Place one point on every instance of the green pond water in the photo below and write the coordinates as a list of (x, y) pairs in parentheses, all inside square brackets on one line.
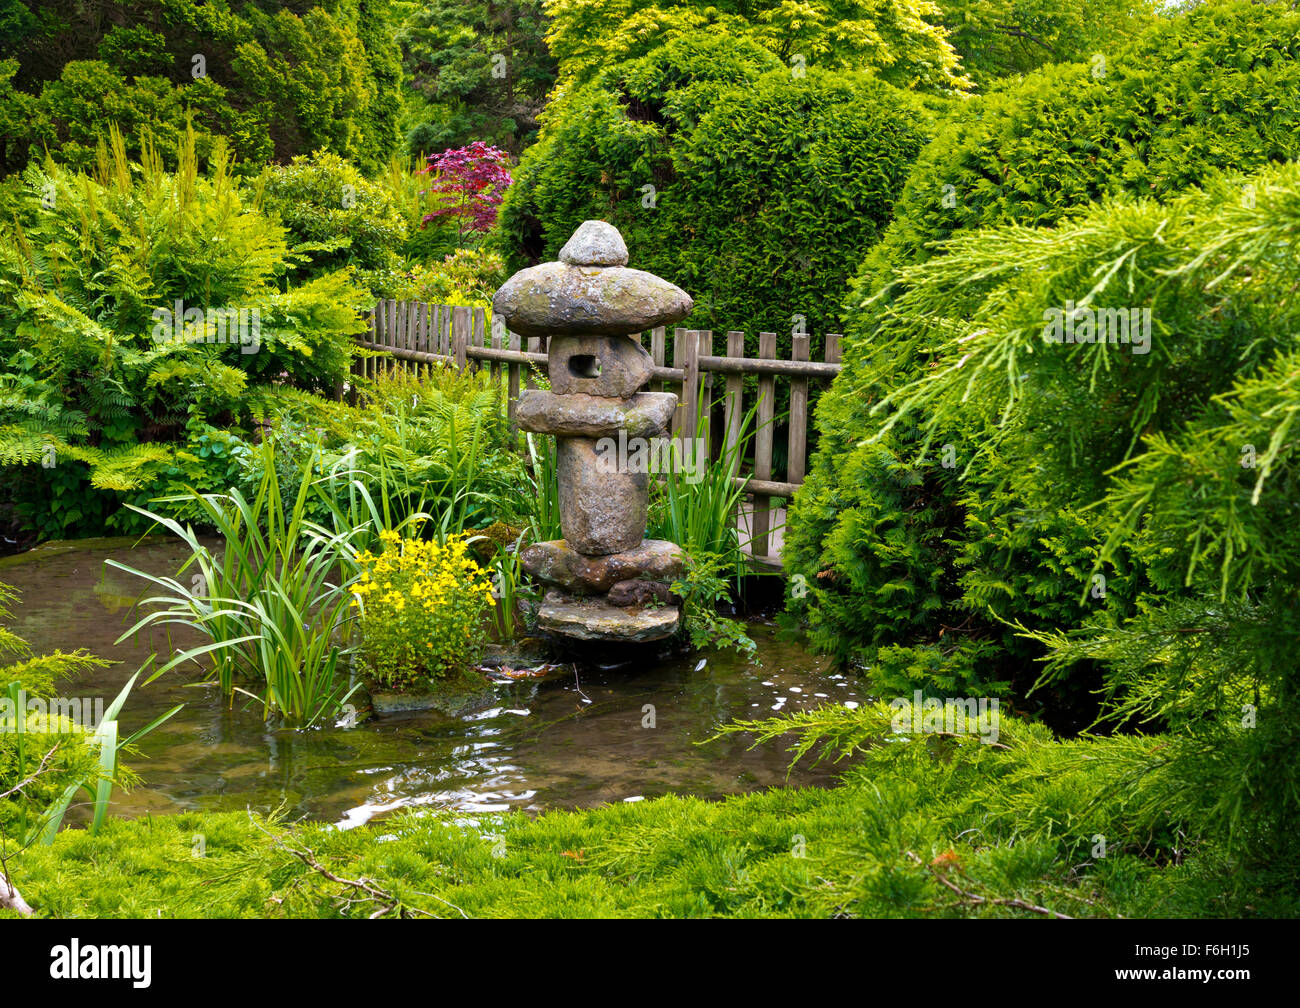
[(569, 742)]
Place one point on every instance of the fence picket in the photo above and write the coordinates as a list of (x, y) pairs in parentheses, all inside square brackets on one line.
[(658, 340), (794, 470), (512, 386), (763, 440), (732, 411)]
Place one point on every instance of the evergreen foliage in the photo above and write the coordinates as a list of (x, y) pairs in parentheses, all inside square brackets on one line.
[(104, 378), (274, 80), (749, 188), (1215, 89), (1166, 473)]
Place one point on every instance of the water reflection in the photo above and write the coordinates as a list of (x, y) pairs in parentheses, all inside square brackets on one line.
[(575, 742)]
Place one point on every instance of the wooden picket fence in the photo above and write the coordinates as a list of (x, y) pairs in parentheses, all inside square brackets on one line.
[(414, 334)]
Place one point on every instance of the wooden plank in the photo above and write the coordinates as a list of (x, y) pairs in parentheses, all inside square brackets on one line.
[(785, 368), (704, 348), (497, 326), (410, 336), (477, 332), (768, 488), (679, 414), (422, 341), (763, 437), (396, 334), (390, 337), (832, 348), (512, 387), (460, 333), (377, 316), (658, 342), (798, 443), (732, 413), (534, 346)]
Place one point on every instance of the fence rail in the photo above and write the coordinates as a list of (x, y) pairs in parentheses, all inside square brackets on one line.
[(414, 332)]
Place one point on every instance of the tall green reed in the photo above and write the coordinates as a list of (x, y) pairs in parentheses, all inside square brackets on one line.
[(271, 601)]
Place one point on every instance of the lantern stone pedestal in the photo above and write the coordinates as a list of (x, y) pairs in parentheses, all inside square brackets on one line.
[(609, 583)]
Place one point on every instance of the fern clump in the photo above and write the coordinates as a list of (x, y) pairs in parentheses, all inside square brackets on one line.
[(139, 306)]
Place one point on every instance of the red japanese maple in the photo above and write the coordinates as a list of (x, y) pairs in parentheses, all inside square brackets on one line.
[(474, 180)]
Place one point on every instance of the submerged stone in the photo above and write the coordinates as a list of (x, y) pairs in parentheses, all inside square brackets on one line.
[(644, 415), (639, 593)]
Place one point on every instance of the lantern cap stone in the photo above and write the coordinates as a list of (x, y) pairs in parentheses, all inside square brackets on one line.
[(595, 243), (580, 296)]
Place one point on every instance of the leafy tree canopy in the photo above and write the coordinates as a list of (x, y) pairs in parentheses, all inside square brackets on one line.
[(899, 39)]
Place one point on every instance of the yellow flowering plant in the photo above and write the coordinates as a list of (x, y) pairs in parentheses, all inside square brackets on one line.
[(421, 606)]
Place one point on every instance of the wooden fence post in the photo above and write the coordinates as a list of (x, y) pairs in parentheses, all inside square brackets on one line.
[(732, 412), (460, 337), (532, 344), (512, 389), (658, 340), (798, 443), (763, 438), (497, 326), (704, 348), (690, 380), (391, 363)]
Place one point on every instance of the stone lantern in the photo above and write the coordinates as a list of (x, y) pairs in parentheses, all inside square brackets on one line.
[(609, 583)]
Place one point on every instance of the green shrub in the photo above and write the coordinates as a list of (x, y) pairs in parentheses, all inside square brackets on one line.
[(999, 38), (898, 41), (1215, 89), (334, 216), (274, 82), (437, 443), (422, 604), (765, 186), (905, 551), (467, 276), (29, 740), (1123, 513), (104, 380)]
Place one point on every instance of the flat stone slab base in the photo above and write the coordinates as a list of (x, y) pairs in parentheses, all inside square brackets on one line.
[(594, 620)]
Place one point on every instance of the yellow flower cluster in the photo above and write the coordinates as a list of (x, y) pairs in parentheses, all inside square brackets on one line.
[(421, 609)]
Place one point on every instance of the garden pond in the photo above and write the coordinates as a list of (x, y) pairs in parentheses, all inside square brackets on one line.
[(576, 740)]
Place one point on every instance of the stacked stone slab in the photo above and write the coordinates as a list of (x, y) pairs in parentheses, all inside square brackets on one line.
[(608, 581)]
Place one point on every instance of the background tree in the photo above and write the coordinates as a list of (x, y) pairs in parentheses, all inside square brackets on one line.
[(474, 70), (752, 188), (1002, 38), (275, 80), (898, 39)]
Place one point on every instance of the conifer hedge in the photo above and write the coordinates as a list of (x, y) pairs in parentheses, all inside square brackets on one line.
[(928, 569), (752, 188)]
